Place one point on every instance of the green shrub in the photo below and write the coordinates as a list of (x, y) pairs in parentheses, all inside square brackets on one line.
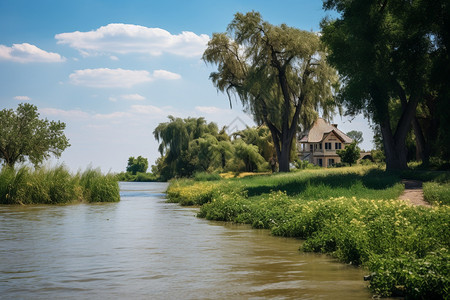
[(437, 193), (416, 278), (403, 246), (205, 176)]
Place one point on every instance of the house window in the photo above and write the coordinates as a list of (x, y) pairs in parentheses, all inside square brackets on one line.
[(330, 162), (319, 162), (320, 146), (338, 146), (311, 148), (328, 146)]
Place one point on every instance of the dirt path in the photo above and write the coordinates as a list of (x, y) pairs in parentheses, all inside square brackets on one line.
[(413, 192)]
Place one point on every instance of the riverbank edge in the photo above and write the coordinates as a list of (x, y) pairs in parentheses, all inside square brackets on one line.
[(224, 202)]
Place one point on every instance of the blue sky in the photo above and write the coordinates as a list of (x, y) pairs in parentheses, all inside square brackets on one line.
[(113, 70)]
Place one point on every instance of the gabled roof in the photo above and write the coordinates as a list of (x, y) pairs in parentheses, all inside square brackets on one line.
[(320, 130)]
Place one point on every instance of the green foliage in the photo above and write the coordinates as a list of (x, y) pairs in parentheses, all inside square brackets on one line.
[(378, 156), (279, 73), (418, 278), (135, 165), (303, 164), (98, 187), (23, 136), (249, 157), (191, 146), (393, 52), (139, 177), (350, 154), (205, 176), (436, 193), (356, 136), (346, 212), (186, 146), (55, 186)]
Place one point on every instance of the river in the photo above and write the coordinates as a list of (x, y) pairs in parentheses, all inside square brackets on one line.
[(144, 248)]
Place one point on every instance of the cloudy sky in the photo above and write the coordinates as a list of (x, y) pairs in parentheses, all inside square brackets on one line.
[(113, 70)]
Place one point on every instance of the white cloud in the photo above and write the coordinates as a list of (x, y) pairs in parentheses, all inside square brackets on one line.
[(109, 78), (148, 110), (117, 78), (133, 97), (26, 53), (128, 38), (73, 114), (212, 110), (22, 98), (114, 115), (113, 57), (162, 74)]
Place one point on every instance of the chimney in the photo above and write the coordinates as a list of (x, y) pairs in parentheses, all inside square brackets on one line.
[(334, 125)]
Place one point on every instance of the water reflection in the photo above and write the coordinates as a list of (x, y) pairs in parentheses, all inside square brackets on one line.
[(144, 248)]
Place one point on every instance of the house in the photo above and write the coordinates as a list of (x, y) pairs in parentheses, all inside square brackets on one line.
[(318, 145)]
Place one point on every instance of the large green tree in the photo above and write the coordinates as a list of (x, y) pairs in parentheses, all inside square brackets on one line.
[(23, 136), (384, 51), (279, 73), (182, 143), (138, 164)]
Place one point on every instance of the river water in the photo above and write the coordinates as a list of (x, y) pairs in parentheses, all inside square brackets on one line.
[(144, 248)]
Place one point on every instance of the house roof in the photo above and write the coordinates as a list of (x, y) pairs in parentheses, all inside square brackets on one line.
[(320, 130)]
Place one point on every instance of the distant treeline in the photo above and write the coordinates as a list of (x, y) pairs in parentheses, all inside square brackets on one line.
[(192, 145)]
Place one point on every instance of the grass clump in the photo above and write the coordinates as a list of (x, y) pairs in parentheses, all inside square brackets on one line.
[(349, 213), (55, 186), (98, 187), (205, 176), (436, 193), (184, 192)]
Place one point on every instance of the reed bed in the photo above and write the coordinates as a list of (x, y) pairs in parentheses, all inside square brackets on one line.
[(56, 185)]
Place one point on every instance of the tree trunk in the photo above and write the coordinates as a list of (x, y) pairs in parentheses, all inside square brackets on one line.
[(421, 145), (395, 144), (284, 157), (422, 152)]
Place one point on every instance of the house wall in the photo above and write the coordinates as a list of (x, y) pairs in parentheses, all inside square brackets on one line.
[(321, 155)]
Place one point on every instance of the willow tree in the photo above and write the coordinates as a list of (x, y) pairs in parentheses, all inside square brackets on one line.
[(176, 137), (279, 73)]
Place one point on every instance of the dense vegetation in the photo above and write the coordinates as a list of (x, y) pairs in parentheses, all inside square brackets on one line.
[(393, 58), (56, 186), (346, 212), (192, 145)]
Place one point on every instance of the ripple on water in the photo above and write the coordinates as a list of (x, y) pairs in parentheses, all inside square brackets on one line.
[(142, 247)]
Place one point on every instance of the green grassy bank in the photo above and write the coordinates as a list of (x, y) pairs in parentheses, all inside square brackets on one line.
[(349, 213), (56, 186)]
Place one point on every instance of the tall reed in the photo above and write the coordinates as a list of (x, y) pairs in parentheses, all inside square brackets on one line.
[(55, 186), (98, 187)]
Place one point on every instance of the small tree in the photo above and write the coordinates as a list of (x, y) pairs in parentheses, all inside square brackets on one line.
[(23, 136), (139, 164), (350, 154), (356, 136)]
